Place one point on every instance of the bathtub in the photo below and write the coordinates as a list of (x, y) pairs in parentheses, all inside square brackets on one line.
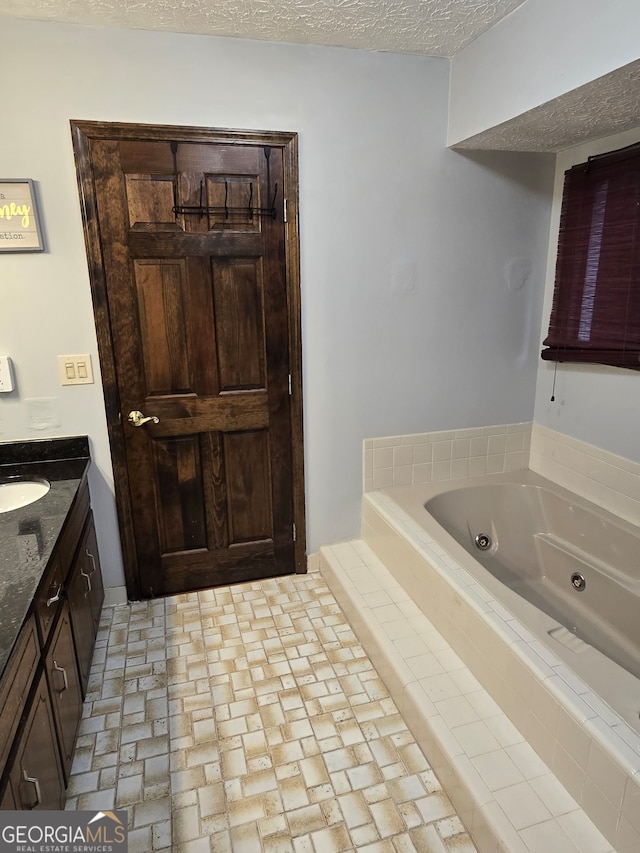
[(568, 571), (511, 701)]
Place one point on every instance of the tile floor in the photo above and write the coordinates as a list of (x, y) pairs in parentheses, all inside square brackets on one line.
[(249, 718)]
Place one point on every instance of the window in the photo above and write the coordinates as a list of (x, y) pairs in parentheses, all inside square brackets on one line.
[(595, 317)]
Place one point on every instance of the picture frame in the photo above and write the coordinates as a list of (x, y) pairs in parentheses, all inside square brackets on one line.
[(20, 229)]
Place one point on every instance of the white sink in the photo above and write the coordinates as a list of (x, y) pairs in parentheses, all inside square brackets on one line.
[(17, 493)]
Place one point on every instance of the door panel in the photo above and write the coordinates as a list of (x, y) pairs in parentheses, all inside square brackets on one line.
[(64, 688), (178, 468), (232, 194), (164, 334), (150, 202), (239, 332), (201, 327), (247, 464)]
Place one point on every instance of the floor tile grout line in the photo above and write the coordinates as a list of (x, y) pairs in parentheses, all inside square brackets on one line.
[(276, 604)]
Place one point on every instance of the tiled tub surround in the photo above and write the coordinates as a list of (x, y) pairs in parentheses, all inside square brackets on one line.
[(588, 747), (597, 765), (506, 795), (248, 719), (453, 454), (607, 480)]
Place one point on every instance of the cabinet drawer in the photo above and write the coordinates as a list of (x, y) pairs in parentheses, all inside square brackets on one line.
[(49, 599), (15, 686)]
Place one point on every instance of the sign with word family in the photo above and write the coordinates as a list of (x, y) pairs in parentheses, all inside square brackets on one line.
[(19, 224)]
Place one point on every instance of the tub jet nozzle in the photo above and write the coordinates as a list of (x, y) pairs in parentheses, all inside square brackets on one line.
[(483, 541), (577, 581)]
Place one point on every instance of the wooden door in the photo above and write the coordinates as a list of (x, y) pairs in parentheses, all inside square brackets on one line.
[(198, 315)]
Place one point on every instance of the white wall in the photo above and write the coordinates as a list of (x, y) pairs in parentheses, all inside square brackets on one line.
[(594, 403), (419, 310), (540, 51)]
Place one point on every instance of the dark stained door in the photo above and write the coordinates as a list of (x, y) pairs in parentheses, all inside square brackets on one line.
[(194, 269)]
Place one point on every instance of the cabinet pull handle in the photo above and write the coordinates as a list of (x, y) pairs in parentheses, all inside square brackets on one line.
[(55, 597), (36, 785), (87, 577), (64, 676), (92, 558)]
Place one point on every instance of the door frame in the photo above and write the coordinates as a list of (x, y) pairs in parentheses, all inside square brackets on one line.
[(83, 133)]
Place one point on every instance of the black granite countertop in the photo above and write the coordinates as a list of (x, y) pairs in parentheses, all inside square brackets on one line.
[(29, 534)]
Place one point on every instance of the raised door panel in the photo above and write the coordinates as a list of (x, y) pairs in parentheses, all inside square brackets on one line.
[(82, 622), (8, 799), (64, 687), (36, 774), (93, 570), (249, 511), (180, 494), (231, 200), (239, 324), (16, 685), (150, 201), (85, 594), (164, 340)]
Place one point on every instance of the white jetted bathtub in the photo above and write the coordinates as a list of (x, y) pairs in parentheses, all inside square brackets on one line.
[(534, 596), (567, 570)]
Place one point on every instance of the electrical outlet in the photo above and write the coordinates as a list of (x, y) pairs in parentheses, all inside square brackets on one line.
[(75, 370), (6, 374)]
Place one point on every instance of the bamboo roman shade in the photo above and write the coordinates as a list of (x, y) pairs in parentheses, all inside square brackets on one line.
[(595, 315)]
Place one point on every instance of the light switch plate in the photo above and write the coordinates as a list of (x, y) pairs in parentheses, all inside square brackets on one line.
[(75, 370), (6, 374)]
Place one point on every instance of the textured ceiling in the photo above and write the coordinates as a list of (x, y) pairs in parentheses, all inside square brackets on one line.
[(602, 107), (432, 27)]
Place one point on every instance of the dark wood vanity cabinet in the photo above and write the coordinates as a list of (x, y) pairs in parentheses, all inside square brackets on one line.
[(44, 682)]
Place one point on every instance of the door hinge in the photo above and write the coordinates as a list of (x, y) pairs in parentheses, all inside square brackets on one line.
[(285, 210), (289, 384), (293, 530)]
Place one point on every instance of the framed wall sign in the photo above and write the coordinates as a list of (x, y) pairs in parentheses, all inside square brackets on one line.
[(19, 223)]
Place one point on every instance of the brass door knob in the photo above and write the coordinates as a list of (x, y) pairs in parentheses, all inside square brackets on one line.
[(137, 419)]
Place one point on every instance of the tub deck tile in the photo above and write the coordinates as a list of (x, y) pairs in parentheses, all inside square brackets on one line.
[(509, 798)]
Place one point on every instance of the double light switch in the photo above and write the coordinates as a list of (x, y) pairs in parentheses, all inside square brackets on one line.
[(75, 369)]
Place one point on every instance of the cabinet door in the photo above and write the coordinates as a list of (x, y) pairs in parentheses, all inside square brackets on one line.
[(8, 801), (36, 772), (92, 559), (85, 595), (64, 686), (17, 680)]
